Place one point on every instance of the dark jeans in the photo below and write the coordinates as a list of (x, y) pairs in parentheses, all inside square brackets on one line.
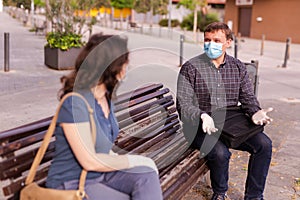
[(218, 155)]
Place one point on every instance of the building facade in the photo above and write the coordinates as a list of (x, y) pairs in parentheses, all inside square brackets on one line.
[(275, 19)]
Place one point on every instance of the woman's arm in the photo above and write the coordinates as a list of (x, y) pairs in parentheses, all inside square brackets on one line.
[(83, 147)]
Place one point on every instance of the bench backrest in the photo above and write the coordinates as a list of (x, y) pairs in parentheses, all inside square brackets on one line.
[(252, 69)]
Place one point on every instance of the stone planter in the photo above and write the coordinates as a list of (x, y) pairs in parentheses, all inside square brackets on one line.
[(60, 60)]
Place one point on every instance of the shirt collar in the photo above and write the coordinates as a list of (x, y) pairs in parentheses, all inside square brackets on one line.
[(224, 62), (211, 63)]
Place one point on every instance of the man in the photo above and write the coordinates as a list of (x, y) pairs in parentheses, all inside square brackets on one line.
[(215, 80)]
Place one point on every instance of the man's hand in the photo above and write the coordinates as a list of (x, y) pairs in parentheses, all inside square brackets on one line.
[(261, 117), (208, 125)]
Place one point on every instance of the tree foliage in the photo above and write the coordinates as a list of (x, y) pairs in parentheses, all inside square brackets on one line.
[(160, 7), (120, 4), (142, 6), (25, 3), (103, 3), (203, 21), (157, 6), (194, 6), (65, 14), (68, 18), (191, 4)]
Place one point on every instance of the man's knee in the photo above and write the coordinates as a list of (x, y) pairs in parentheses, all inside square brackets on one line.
[(261, 144), (219, 153), (265, 143)]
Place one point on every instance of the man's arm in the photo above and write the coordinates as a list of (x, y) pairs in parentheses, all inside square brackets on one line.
[(186, 98)]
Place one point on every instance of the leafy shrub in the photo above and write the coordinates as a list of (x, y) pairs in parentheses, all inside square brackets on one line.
[(203, 21), (164, 22), (63, 41)]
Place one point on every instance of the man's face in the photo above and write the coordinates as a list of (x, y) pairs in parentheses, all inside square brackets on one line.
[(218, 37)]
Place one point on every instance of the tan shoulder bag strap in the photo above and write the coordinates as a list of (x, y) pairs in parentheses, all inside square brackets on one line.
[(40, 154)]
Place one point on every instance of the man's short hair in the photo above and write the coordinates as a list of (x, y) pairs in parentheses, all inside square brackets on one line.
[(215, 26)]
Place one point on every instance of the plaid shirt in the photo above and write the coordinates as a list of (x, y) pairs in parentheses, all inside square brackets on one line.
[(202, 87)]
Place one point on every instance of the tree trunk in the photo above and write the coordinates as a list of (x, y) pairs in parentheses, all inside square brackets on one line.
[(105, 18), (132, 16), (121, 19), (151, 16), (112, 18), (48, 22)]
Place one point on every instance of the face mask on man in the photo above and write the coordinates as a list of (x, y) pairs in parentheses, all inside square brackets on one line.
[(213, 50)]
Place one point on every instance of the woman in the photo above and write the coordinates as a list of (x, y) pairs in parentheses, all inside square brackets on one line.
[(99, 67)]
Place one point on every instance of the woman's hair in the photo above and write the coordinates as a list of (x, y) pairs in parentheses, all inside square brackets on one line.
[(101, 59), (215, 26)]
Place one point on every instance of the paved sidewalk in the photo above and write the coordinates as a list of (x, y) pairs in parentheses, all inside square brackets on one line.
[(29, 92)]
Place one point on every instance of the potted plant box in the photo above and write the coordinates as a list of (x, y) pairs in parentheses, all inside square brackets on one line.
[(62, 49), (58, 59)]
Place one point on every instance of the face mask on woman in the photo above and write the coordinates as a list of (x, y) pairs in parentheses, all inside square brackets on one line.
[(213, 50)]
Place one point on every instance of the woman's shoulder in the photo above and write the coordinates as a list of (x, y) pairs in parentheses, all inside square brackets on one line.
[(74, 108)]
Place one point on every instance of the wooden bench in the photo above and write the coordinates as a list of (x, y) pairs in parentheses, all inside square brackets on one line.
[(40, 27), (134, 25), (149, 125)]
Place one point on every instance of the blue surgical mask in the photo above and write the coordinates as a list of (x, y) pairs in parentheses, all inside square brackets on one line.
[(213, 50)]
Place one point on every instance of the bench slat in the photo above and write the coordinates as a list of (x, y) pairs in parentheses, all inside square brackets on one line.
[(169, 149), (25, 130), (140, 109), (21, 143), (144, 114), (15, 186), (11, 167), (167, 169), (18, 170), (151, 135), (146, 145), (141, 124), (186, 180), (178, 181), (147, 132), (172, 156), (137, 93), (135, 101)]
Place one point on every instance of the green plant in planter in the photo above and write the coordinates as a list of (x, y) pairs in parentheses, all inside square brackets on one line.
[(69, 19), (63, 41)]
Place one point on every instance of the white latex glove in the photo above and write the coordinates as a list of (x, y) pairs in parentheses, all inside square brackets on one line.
[(208, 125), (261, 117), (137, 160)]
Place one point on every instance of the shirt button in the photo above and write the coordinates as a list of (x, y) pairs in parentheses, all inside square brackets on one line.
[(218, 85)]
